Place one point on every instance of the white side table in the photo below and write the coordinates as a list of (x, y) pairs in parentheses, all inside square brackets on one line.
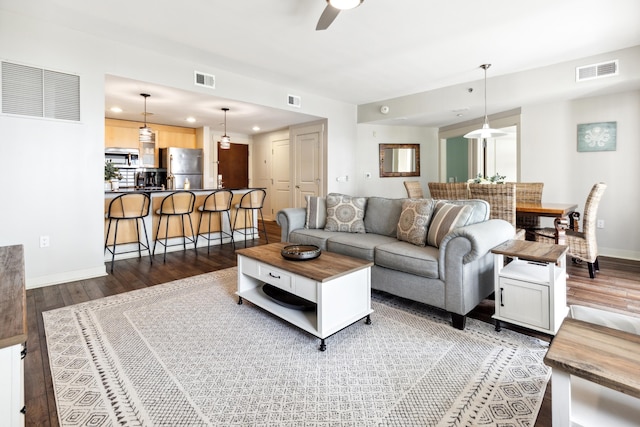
[(531, 290)]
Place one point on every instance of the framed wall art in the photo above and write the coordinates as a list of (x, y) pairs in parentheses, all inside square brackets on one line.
[(597, 136)]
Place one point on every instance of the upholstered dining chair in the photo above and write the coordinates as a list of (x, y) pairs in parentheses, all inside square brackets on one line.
[(502, 201), (448, 190), (414, 189), (582, 244)]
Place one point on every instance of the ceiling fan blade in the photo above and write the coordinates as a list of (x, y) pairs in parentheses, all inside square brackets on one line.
[(327, 17)]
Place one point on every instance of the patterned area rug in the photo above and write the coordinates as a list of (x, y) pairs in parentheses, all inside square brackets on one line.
[(184, 353)]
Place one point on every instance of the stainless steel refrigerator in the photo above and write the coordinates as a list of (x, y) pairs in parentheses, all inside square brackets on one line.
[(182, 164)]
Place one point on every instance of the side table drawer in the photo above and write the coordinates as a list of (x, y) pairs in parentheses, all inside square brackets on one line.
[(275, 277)]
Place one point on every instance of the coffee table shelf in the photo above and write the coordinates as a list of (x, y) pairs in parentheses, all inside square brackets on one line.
[(339, 285)]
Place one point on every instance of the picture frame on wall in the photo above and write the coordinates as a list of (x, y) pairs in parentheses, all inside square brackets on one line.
[(597, 136)]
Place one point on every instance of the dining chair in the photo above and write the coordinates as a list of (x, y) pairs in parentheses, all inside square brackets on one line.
[(448, 190), (414, 189), (582, 244), (528, 192), (502, 202)]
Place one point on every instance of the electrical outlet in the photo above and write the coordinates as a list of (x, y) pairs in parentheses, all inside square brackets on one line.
[(44, 241), (600, 223)]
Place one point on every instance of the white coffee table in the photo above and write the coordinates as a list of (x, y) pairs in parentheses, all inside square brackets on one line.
[(340, 287)]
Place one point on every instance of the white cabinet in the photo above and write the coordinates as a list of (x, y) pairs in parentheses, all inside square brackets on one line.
[(530, 290), (13, 335)]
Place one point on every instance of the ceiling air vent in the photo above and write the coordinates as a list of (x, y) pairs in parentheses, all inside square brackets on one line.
[(205, 80), (596, 71), (293, 101)]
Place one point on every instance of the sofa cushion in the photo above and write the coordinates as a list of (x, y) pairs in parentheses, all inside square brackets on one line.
[(446, 217), (345, 213), (303, 236), (361, 246), (316, 212), (402, 256), (382, 215), (414, 220)]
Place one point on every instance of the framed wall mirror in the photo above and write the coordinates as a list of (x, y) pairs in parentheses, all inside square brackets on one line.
[(399, 160)]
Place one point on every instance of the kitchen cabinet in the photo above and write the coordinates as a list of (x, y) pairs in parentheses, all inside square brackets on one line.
[(124, 134), (13, 335)]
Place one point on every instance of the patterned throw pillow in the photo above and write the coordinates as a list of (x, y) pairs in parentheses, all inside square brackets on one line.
[(446, 217), (316, 212), (414, 219), (345, 213)]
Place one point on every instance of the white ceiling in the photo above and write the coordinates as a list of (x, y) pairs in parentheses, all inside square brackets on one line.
[(380, 50)]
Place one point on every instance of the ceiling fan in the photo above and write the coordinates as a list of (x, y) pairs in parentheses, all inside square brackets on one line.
[(333, 9)]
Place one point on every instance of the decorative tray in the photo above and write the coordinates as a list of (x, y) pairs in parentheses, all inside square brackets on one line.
[(300, 252)]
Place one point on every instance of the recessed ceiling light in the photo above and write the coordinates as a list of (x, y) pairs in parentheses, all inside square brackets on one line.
[(256, 128), (191, 119), (116, 110)]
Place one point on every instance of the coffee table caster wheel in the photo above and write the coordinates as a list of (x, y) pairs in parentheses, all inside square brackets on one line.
[(239, 300), (323, 346), (498, 326), (367, 321)]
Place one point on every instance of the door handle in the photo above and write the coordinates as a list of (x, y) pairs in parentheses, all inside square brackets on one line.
[(297, 186), (501, 298)]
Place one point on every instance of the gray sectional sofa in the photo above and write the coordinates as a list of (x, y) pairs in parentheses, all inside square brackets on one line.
[(456, 276)]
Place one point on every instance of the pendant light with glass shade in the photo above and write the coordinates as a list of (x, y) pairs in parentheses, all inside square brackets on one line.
[(486, 131), (225, 141), (145, 134)]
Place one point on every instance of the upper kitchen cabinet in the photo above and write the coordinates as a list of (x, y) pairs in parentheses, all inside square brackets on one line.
[(124, 134)]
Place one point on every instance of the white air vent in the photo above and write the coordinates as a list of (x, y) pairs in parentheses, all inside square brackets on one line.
[(205, 80), (30, 91), (293, 101), (596, 71)]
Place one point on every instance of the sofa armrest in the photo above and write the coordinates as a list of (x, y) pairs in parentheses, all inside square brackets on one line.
[(483, 236), (290, 219)]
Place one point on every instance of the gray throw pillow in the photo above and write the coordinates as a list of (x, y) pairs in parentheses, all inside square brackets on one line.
[(414, 219), (345, 213)]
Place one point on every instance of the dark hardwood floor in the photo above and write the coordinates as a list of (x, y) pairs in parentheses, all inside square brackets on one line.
[(616, 287)]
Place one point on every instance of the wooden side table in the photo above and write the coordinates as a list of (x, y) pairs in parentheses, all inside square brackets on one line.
[(531, 290)]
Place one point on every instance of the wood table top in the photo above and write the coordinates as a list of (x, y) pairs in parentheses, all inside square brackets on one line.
[(532, 251), (599, 354), (546, 209), (321, 269)]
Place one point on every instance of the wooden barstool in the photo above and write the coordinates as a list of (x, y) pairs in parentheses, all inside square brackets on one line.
[(250, 202), (176, 204), (128, 207), (218, 202)]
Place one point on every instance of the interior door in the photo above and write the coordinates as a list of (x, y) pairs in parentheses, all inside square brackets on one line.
[(281, 189), (234, 166), (308, 143)]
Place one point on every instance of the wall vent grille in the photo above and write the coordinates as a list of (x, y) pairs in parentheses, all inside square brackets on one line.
[(597, 71), (30, 91), (205, 80), (294, 101)]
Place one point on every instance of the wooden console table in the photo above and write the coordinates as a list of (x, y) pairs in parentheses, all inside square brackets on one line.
[(599, 354)]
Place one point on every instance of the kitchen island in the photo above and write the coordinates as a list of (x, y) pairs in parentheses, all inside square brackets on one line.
[(127, 229)]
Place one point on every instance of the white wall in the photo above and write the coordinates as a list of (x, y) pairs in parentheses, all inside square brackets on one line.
[(52, 171), (369, 136), (549, 154)]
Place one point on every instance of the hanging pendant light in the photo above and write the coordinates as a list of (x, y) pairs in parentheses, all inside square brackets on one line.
[(486, 131), (225, 141), (145, 134)]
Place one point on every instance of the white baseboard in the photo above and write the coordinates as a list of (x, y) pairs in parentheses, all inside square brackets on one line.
[(67, 276)]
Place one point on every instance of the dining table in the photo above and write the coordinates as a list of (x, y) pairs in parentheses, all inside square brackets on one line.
[(559, 211)]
